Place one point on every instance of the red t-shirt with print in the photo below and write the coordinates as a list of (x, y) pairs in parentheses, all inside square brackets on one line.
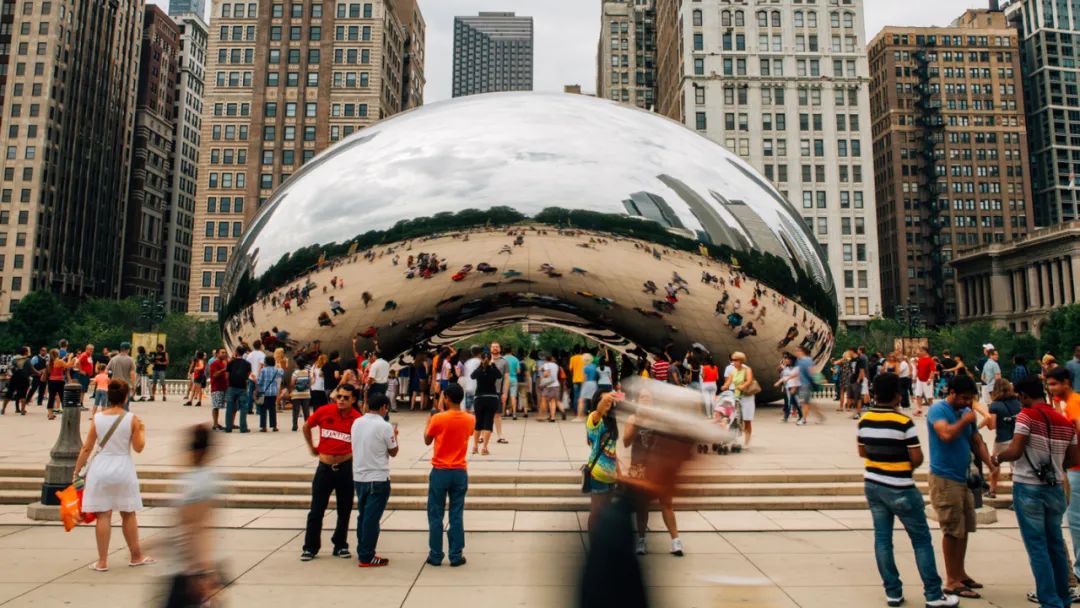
[(335, 429)]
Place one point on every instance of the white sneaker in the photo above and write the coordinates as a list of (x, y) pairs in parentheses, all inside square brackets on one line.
[(801, 422), (641, 549), (676, 547), (894, 602), (946, 600)]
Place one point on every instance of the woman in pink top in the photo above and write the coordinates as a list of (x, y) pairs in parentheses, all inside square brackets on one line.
[(709, 376)]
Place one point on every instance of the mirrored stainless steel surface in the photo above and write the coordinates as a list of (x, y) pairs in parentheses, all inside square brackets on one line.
[(560, 209)]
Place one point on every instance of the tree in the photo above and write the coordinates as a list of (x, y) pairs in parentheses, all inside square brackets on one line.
[(38, 319), (1061, 332)]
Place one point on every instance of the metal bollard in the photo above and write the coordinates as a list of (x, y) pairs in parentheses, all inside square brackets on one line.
[(65, 451)]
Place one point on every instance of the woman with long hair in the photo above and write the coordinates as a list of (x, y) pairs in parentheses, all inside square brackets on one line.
[(198, 379), (318, 383), (1004, 407), (282, 363), (58, 375)]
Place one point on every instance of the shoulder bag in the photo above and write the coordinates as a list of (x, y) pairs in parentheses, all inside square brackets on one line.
[(586, 469), (101, 445)]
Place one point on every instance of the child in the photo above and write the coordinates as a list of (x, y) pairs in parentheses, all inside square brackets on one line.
[(392, 389), (101, 389)]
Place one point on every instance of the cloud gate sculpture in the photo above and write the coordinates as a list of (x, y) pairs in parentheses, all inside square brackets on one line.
[(554, 209)]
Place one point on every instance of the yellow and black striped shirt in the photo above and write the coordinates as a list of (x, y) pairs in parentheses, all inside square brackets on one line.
[(887, 435)]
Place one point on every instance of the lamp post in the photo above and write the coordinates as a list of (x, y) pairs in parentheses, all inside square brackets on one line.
[(65, 452)]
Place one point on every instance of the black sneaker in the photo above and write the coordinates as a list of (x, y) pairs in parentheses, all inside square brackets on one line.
[(342, 552), (431, 562), (307, 556), (460, 562)]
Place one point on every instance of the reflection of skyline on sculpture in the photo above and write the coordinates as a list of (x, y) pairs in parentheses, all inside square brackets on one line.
[(483, 150), (609, 198)]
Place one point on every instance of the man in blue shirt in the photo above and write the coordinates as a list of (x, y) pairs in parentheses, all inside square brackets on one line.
[(805, 365), (953, 437), (1074, 367)]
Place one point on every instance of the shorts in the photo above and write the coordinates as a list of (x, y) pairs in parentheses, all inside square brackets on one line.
[(17, 389), (159, 377), (486, 406), (955, 506), (550, 392), (513, 389), (806, 393), (217, 399), (865, 387), (588, 390), (101, 398), (748, 407), (470, 402), (924, 390), (443, 384), (199, 381), (84, 381), (854, 390)]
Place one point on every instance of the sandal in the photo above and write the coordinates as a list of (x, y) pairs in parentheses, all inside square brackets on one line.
[(146, 561), (962, 591), (485, 453), (501, 440), (972, 584), (96, 569)]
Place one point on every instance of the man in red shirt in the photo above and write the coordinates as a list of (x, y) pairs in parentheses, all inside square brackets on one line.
[(84, 369), (449, 431), (334, 473), (925, 372), (219, 383)]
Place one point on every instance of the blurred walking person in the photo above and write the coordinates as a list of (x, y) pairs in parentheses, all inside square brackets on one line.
[(197, 578), (268, 385), (111, 481)]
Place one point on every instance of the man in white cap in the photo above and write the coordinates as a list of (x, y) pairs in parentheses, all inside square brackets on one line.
[(991, 373)]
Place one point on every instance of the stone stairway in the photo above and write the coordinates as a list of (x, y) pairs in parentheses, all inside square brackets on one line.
[(512, 490)]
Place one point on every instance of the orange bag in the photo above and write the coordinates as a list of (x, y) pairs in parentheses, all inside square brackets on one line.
[(69, 507)]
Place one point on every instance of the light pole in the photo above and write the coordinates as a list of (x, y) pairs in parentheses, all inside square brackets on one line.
[(65, 452)]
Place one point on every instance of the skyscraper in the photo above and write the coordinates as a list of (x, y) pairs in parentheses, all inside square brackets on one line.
[(180, 218), (783, 84), (626, 68), (153, 147), (1050, 66), (185, 7), (950, 153), (492, 52), (68, 115), (284, 82)]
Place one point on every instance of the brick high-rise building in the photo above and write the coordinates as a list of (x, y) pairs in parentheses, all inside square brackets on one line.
[(785, 85), (1050, 66), (286, 80), (150, 195), (626, 57), (492, 52), (950, 153), (68, 115)]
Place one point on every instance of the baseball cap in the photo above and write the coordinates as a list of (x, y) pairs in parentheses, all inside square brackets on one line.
[(126, 345), (988, 346)]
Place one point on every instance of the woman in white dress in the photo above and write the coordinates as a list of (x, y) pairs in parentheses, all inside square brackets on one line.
[(111, 482)]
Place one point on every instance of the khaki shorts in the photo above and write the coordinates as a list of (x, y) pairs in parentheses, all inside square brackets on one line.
[(998, 449), (955, 506)]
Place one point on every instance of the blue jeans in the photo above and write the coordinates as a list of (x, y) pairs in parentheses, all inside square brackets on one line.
[(576, 395), (371, 497), (443, 483), (268, 409), (791, 403), (906, 504), (1073, 515), (1039, 510), (234, 403), (249, 402)]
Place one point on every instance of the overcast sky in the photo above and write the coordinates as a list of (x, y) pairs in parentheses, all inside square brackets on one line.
[(567, 33)]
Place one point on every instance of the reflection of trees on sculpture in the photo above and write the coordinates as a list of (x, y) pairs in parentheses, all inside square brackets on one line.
[(767, 268)]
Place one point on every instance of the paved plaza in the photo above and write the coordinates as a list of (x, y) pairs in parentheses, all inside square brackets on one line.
[(516, 558)]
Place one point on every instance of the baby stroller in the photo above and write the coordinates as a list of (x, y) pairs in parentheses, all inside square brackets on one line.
[(727, 413)]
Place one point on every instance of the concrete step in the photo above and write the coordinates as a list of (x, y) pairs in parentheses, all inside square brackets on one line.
[(538, 490)]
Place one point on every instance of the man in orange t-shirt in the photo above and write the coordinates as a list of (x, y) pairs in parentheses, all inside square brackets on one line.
[(1066, 400), (450, 431)]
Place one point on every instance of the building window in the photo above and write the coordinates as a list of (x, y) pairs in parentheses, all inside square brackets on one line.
[(701, 123)]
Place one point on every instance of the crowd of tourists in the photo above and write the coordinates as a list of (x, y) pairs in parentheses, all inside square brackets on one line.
[(1035, 417)]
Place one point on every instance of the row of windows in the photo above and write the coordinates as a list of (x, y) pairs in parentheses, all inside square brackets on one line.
[(288, 133), (270, 109), (223, 229), (227, 180), (24, 195), (27, 174), (810, 173), (767, 19), (288, 157), (224, 204)]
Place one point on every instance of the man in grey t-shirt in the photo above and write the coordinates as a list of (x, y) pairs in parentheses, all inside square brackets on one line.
[(122, 367), (991, 373), (502, 386)]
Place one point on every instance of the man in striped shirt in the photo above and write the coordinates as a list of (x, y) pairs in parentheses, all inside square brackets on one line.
[(890, 444), (1043, 446)]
